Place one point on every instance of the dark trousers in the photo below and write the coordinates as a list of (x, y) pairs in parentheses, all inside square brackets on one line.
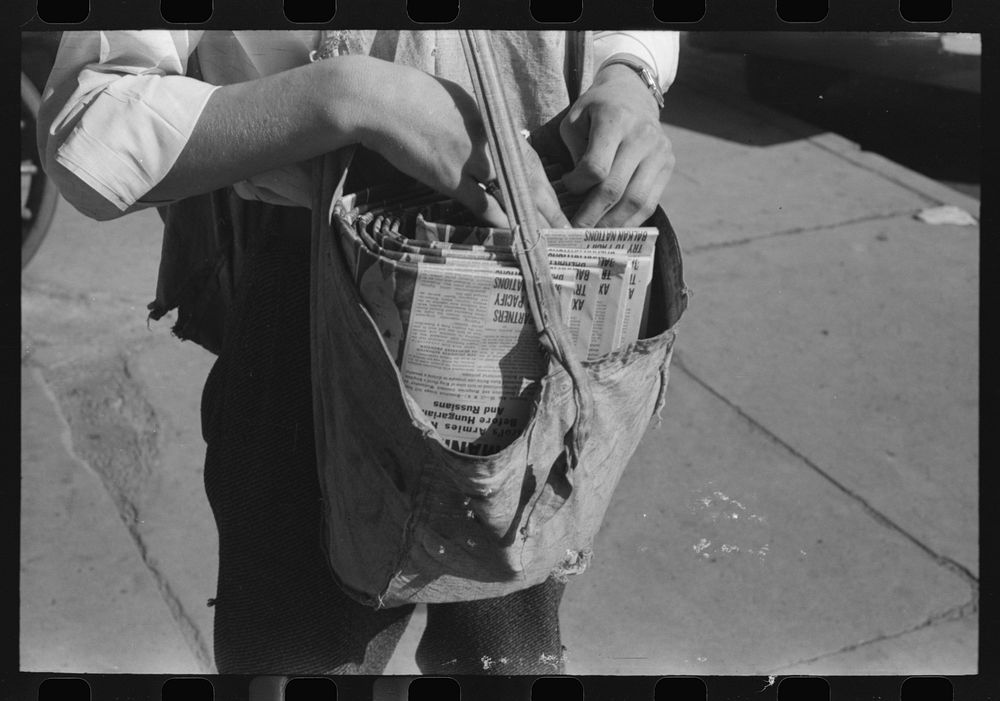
[(277, 608)]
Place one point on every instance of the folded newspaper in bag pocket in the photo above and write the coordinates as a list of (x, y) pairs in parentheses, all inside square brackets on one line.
[(447, 298)]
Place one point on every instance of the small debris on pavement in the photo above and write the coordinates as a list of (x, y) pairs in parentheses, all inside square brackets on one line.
[(946, 214)]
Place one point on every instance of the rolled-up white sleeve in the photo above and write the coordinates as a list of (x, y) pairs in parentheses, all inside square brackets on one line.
[(116, 113), (659, 49)]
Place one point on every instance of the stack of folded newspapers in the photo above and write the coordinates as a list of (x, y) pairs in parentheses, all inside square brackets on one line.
[(446, 297)]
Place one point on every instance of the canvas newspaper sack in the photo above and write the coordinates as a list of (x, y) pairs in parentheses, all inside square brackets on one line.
[(408, 519)]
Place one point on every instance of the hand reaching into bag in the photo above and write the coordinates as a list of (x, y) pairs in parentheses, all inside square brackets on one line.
[(623, 158), (431, 129)]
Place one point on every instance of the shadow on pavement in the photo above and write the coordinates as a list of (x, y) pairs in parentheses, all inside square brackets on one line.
[(932, 130)]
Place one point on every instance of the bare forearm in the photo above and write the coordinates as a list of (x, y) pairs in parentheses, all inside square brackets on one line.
[(252, 127), (427, 127)]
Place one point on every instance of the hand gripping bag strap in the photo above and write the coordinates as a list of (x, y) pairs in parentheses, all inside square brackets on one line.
[(530, 248)]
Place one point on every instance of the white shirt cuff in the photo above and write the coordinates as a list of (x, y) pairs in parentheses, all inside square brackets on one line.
[(131, 134), (659, 49)]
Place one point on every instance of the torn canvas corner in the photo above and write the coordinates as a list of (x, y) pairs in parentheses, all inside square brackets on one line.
[(576, 561)]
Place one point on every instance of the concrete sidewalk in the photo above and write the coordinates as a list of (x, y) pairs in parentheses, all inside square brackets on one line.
[(808, 506)]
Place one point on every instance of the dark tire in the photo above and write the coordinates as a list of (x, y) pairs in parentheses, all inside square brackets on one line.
[(38, 208), (783, 83)]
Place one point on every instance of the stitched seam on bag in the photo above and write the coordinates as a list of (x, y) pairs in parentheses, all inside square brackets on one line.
[(661, 397), (415, 519), (620, 361)]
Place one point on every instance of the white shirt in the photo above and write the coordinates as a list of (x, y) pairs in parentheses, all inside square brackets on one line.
[(118, 109)]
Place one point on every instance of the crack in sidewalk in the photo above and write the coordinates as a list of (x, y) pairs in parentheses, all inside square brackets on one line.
[(190, 632), (942, 560), (128, 510), (955, 613), (82, 299), (792, 232)]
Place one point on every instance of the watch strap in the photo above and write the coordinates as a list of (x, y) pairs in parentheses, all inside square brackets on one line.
[(645, 73)]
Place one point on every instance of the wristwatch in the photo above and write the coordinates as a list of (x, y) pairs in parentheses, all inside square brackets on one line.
[(642, 70)]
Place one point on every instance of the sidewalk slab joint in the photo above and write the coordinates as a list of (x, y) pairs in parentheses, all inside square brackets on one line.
[(878, 516)]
